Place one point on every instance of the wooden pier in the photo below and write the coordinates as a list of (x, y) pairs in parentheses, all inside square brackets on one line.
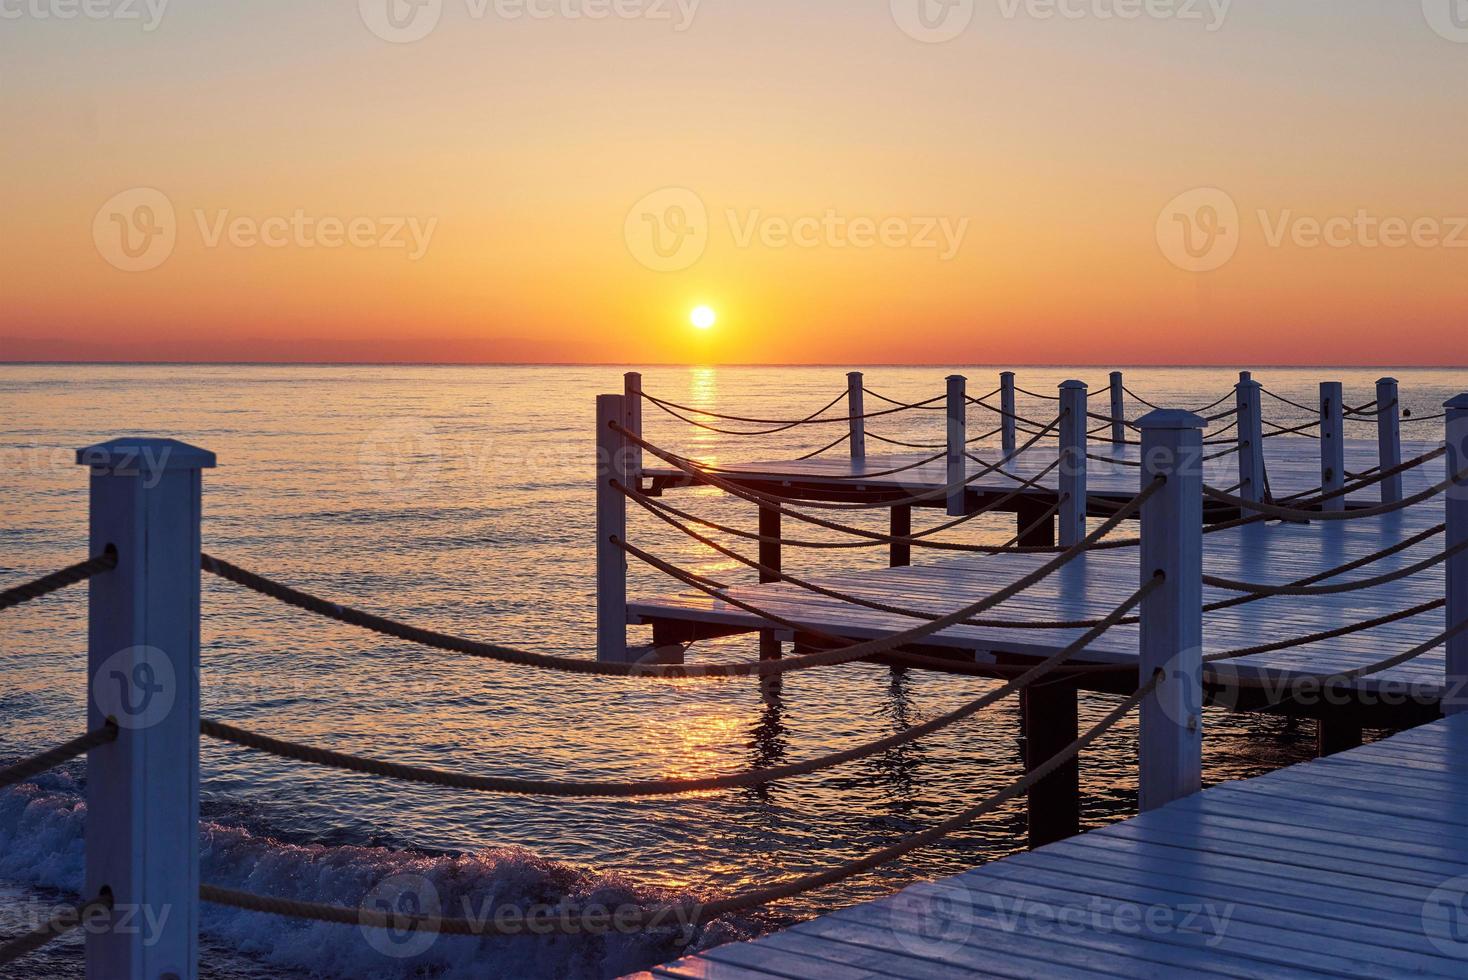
[(1350, 866)]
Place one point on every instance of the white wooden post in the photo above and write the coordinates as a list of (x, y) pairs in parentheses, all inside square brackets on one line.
[(142, 828), (957, 445), (612, 461), (1332, 443), (1389, 437), (632, 422), (1250, 437), (1118, 408), (1171, 633), (855, 407), (1006, 406), (1455, 697), (1073, 424)]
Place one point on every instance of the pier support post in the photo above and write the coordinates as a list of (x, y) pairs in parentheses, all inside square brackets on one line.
[(770, 557), (901, 527), (1171, 633), (1250, 437), (957, 445), (856, 408), (1332, 443), (1389, 437), (632, 422), (1006, 420), (1118, 408), (1072, 482), (1455, 696), (1049, 717), (612, 464), (142, 828)]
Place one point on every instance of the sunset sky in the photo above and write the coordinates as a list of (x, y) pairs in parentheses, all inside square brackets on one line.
[(830, 177)]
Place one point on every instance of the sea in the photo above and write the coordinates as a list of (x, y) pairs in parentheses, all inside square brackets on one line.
[(462, 499)]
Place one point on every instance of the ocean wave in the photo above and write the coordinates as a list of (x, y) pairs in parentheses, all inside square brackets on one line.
[(41, 844)]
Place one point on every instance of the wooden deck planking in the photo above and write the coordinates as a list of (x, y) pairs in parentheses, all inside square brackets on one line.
[(1299, 883)]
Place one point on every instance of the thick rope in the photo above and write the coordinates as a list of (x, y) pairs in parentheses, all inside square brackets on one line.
[(1036, 394), (927, 406), (21, 771), (1293, 514), (765, 498), (784, 576), (57, 581), (764, 668), (59, 925), (870, 539), (659, 787), (1327, 679), (1302, 429), (893, 641), (824, 449), (934, 445), (1313, 409), (1299, 641), (502, 654), (673, 408), (555, 920), (1255, 588)]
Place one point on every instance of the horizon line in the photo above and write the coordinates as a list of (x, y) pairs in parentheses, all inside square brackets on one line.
[(728, 364)]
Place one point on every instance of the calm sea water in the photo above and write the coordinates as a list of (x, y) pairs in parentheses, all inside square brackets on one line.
[(461, 498)]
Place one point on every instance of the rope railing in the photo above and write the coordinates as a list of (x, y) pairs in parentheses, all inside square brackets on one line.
[(845, 437), (933, 445), (1330, 634), (1302, 429), (953, 618), (661, 787), (57, 926), (1296, 514), (764, 668), (19, 772), (844, 477), (1325, 680), (1313, 409), (926, 406), (1256, 588), (698, 911), (767, 498), (869, 539), (779, 425), (58, 580), (1036, 394), (1033, 426), (785, 576)]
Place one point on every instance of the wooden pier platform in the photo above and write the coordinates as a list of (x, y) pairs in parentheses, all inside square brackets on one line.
[(1351, 866), (1093, 584)]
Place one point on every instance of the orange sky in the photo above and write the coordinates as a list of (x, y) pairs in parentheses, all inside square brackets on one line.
[(849, 193)]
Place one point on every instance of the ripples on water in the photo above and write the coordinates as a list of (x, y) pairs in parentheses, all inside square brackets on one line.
[(461, 498)]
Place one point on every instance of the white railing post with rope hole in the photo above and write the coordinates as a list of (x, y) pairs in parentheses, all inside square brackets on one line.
[(1118, 408), (1073, 424), (1389, 437), (632, 422), (855, 407), (957, 444), (142, 828), (612, 463), (1249, 400), (1006, 408), (1332, 443), (1171, 632), (1455, 690)]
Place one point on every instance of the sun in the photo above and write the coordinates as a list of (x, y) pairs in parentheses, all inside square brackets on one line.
[(703, 317)]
